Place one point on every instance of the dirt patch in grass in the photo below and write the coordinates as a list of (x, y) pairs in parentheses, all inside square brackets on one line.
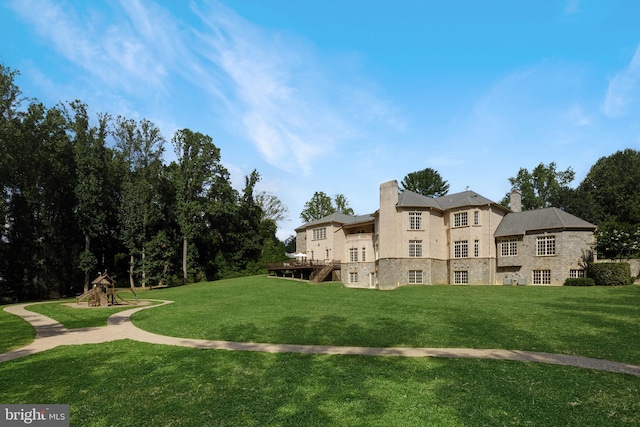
[(85, 304)]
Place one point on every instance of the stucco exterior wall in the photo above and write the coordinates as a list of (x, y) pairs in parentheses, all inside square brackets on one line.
[(301, 241), (389, 224), (329, 248)]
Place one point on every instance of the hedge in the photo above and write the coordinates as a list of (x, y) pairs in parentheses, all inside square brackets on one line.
[(580, 281), (610, 273)]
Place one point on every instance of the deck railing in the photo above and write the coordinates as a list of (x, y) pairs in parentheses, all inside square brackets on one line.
[(297, 264)]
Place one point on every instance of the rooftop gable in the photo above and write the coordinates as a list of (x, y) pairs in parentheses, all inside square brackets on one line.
[(519, 223)]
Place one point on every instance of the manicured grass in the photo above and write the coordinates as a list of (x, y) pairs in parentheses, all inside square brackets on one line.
[(128, 383), (591, 321), (14, 332), (73, 317)]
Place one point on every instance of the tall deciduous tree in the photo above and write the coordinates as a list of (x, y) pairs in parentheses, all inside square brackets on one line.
[(318, 207), (272, 207), (40, 227), (427, 182), (141, 147), (198, 166), (542, 187), (612, 183), (342, 204), (91, 169), (322, 205), (9, 103)]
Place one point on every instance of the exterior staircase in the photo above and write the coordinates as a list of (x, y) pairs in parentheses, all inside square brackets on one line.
[(320, 274)]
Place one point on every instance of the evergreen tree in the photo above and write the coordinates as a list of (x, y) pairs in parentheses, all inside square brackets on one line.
[(427, 182)]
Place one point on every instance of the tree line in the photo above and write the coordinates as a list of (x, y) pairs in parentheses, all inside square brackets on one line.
[(81, 196), (608, 197)]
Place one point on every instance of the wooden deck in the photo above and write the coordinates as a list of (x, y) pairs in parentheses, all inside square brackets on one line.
[(313, 271)]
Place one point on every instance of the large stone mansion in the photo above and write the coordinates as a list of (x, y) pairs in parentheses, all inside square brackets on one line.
[(460, 238)]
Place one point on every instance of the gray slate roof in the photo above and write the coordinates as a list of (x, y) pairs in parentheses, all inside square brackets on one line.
[(466, 198), (518, 223), (339, 218)]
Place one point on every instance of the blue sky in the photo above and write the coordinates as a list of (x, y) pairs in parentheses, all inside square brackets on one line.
[(340, 96)]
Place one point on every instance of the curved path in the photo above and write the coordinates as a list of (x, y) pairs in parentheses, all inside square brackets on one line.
[(51, 334)]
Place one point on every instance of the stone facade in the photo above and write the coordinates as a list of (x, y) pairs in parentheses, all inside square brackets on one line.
[(454, 239)]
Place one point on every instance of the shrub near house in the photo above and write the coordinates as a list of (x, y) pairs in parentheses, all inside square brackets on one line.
[(610, 273)]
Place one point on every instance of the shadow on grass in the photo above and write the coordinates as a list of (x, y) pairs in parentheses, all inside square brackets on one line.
[(612, 324), (128, 383)]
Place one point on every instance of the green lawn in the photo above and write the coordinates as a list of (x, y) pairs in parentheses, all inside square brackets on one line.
[(73, 318), (14, 332), (589, 321), (129, 383)]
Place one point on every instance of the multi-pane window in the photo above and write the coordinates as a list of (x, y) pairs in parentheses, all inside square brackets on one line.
[(476, 248), (326, 254), (415, 276), (460, 219), (364, 254), (546, 245), (461, 249), (476, 217), (353, 255), (460, 277), (574, 274), (415, 220), (541, 277), (415, 248), (509, 247), (319, 233), (353, 277)]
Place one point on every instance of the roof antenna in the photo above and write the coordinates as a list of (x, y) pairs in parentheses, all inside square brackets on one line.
[(466, 188)]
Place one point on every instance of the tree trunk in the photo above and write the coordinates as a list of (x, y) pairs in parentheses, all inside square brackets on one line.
[(132, 284), (184, 259), (144, 270), (87, 245)]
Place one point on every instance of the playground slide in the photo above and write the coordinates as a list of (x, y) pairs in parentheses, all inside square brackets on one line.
[(85, 295), (124, 300)]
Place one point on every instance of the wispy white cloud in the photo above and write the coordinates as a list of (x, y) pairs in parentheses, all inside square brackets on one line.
[(624, 89), (572, 7), (289, 107), (128, 54), (272, 89)]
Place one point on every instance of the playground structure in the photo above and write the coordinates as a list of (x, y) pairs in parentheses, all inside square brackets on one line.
[(104, 293)]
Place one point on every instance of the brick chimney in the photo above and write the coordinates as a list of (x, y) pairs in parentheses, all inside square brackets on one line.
[(515, 203)]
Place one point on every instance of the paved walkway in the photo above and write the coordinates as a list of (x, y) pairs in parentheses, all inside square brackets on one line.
[(51, 334)]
